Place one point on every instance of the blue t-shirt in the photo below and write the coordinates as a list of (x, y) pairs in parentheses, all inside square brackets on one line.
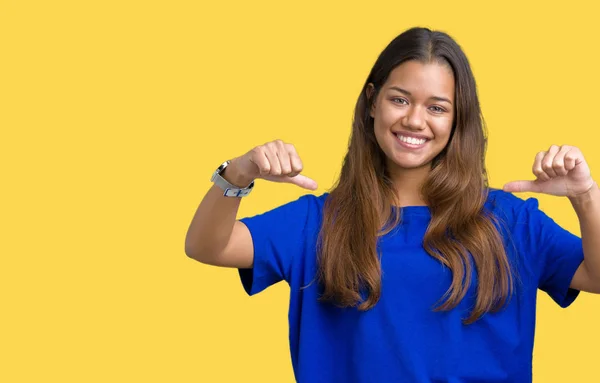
[(402, 339)]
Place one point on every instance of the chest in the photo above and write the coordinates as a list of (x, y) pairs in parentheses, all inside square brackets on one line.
[(410, 275)]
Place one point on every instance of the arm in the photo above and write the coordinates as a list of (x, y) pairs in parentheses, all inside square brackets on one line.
[(215, 237), (587, 207), (563, 171)]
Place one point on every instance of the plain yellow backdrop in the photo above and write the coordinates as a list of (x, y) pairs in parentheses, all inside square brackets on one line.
[(115, 113)]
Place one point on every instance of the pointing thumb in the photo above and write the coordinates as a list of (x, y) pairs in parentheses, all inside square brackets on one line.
[(521, 186)]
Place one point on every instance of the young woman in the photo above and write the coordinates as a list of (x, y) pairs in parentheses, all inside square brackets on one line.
[(411, 269)]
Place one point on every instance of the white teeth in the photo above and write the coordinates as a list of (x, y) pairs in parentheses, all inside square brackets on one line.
[(411, 140)]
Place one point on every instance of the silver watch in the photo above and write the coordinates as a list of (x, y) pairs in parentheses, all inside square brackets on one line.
[(229, 189)]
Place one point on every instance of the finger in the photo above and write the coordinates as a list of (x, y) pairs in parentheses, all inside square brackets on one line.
[(537, 167), (548, 160), (259, 158), (572, 158), (558, 164), (271, 152), (284, 158), (295, 160), (522, 186)]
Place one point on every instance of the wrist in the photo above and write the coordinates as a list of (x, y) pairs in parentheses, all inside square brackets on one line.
[(232, 175), (585, 197)]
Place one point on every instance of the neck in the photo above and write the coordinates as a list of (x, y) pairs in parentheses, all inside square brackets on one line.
[(408, 184)]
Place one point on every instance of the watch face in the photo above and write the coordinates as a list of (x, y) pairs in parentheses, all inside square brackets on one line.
[(218, 171), (223, 166)]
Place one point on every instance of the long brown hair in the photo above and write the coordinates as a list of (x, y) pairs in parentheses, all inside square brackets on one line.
[(358, 209)]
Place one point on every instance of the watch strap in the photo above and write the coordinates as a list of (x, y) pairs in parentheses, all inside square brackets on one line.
[(229, 190)]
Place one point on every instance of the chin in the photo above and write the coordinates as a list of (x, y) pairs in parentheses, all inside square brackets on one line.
[(410, 165), (410, 160)]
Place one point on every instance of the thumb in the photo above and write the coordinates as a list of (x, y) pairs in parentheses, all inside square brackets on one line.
[(522, 186), (302, 181), (298, 180)]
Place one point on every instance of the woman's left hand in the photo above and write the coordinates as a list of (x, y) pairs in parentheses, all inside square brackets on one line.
[(560, 171)]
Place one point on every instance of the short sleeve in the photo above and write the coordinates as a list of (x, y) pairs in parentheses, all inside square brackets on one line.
[(278, 237), (555, 252)]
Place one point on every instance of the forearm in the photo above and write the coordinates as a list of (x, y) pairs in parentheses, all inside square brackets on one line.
[(213, 222), (587, 207)]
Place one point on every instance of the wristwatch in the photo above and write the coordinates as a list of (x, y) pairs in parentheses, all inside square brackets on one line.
[(229, 189)]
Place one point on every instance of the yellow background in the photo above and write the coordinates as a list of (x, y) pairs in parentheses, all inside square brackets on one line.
[(115, 113)]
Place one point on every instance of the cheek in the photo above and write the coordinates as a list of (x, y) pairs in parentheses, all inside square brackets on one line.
[(384, 121), (379, 133), (442, 129), (379, 125), (389, 116), (383, 138)]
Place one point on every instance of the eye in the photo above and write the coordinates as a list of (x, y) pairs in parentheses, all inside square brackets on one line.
[(400, 99), (437, 109)]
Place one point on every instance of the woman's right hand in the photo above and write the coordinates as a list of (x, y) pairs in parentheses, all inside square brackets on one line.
[(274, 161)]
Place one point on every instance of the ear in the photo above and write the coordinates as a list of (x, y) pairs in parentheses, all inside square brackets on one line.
[(370, 91)]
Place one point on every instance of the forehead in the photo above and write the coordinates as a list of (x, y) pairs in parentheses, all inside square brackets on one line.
[(431, 79)]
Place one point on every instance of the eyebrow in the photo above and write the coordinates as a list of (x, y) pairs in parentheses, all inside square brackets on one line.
[(437, 98)]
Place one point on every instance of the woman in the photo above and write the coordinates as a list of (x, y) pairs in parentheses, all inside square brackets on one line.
[(411, 269)]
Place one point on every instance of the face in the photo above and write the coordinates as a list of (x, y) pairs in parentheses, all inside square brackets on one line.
[(413, 114)]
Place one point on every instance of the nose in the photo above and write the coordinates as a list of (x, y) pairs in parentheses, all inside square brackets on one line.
[(414, 118)]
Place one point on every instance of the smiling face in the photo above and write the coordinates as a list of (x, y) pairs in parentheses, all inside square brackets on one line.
[(413, 114)]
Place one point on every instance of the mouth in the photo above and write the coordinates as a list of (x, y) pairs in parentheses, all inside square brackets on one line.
[(411, 142)]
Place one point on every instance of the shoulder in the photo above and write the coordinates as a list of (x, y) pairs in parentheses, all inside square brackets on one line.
[(506, 205), (306, 209), (314, 201), (514, 213), (307, 204), (523, 220)]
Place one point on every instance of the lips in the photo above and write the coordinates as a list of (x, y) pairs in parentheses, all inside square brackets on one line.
[(411, 135), (411, 142)]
